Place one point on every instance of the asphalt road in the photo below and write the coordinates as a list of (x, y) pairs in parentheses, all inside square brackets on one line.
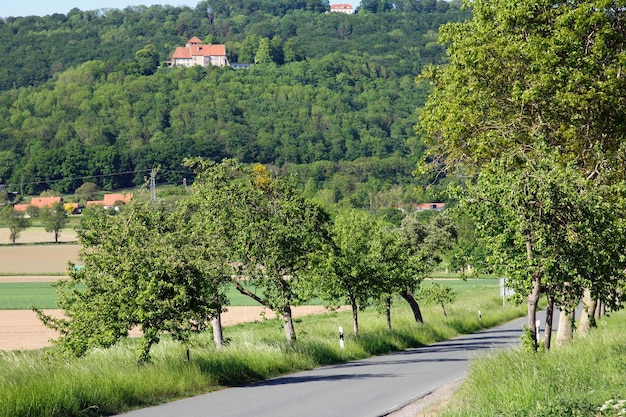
[(371, 387)]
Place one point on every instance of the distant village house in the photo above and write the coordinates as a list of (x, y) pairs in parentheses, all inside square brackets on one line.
[(197, 53), (429, 206), (342, 8), (112, 201)]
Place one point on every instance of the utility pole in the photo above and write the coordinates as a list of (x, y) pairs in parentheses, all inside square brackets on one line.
[(153, 185)]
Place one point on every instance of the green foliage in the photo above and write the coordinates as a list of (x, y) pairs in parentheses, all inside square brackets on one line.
[(142, 268), (86, 192), (439, 294), (524, 109), (263, 229), (15, 221), (106, 114), (54, 219)]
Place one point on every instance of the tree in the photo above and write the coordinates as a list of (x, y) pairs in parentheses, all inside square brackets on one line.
[(424, 243), (267, 230), (15, 220), (147, 59), (529, 72), (441, 294), (527, 102), (140, 268), (352, 269), (54, 219), (87, 191), (548, 230)]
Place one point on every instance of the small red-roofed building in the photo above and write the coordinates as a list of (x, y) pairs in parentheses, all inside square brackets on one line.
[(111, 201), (197, 53), (429, 206), (342, 8), (42, 202)]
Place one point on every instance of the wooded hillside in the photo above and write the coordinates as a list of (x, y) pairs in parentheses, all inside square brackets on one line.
[(86, 96)]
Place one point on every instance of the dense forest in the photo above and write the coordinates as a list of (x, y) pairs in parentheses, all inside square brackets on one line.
[(331, 97)]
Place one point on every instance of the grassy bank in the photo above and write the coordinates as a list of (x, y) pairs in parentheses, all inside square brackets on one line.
[(108, 381), (585, 378)]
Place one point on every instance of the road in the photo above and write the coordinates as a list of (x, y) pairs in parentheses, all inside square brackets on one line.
[(372, 387)]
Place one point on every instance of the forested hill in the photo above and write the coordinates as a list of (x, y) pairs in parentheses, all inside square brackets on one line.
[(87, 94)]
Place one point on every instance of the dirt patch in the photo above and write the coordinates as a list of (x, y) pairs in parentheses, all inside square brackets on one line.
[(38, 235), (37, 259), (22, 330)]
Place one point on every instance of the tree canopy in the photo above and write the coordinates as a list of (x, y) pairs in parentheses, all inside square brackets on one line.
[(527, 110)]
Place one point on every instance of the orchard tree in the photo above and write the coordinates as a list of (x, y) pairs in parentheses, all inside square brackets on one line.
[(139, 268), (424, 242), (15, 221), (353, 268), (267, 231), (533, 96), (54, 219), (528, 72), (550, 231)]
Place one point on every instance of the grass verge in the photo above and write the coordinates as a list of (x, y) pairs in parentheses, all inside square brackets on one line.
[(584, 378), (34, 383)]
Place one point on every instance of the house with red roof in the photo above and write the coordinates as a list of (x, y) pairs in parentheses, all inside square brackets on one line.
[(112, 200), (342, 8), (42, 202), (39, 202), (197, 53), (429, 206)]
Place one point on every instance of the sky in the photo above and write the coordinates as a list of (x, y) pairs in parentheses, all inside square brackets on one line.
[(46, 7)]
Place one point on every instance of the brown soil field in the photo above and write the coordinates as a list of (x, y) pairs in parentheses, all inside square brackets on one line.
[(37, 235), (21, 330), (28, 259)]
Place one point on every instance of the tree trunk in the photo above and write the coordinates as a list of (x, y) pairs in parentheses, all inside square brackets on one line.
[(533, 297), (290, 332), (355, 315), (599, 310), (565, 333), (218, 336), (547, 337), (388, 312), (414, 306), (56, 236), (587, 317)]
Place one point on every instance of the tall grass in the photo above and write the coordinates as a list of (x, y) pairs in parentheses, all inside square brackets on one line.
[(35, 383), (575, 380)]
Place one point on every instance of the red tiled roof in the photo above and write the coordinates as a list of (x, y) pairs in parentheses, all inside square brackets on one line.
[(340, 6), (186, 52), (111, 199), (195, 39), (429, 206), (20, 207), (42, 202)]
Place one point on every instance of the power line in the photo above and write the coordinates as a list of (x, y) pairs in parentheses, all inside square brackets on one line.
[(8, 186)]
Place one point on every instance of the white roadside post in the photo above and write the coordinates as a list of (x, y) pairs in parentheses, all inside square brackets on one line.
[(537, 329), (341, 342)]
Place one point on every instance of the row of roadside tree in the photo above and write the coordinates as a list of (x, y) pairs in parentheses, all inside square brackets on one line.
[(165, 267)]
